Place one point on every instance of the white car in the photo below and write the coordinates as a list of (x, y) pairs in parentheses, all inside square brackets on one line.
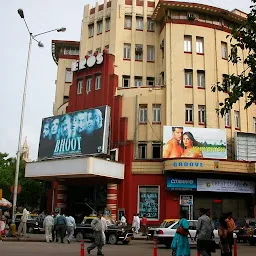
[(166, 235)]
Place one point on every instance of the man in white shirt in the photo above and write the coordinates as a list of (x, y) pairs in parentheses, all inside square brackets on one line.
[(137, 224), (23, 223), (48, 226), (71, 226), (104, 228), (123, 220)]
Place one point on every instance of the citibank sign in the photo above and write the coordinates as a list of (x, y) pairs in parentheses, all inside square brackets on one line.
[(88, 62), (187, 164)]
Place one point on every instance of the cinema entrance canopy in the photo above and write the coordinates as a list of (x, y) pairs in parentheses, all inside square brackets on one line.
[(76, 167)]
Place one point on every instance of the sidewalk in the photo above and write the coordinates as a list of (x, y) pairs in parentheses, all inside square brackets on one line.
[(41, 238)]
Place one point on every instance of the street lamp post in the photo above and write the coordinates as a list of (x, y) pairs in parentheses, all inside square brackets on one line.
[(40, 44)]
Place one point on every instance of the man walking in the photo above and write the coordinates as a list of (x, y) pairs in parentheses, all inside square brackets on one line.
[(71, 226), (231, 226), (144, 222), (22, 229), (61, 224), (204, 233), (98, 235), (48, 226)]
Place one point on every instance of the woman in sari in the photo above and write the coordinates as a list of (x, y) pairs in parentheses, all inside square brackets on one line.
[(225, 248), (180, 243)]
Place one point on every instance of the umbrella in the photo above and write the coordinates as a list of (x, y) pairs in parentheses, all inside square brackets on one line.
[(5, 203)]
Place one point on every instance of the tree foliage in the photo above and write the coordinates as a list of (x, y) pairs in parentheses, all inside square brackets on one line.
[(244, 84), (32, 190)]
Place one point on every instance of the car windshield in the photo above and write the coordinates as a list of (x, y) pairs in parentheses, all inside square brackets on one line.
[(86, 221)]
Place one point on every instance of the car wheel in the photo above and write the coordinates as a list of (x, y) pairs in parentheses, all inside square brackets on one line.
[(30, 229), (112, 239), (126, 242), (79, 236)]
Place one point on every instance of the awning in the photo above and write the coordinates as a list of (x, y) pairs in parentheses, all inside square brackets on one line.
[(74, 168)]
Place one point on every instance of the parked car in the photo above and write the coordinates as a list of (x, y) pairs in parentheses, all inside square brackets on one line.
[(165, 224), (166, 235), (114, 233), (34, 225)]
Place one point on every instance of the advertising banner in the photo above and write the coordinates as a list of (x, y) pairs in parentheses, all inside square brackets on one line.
[(83, 132), (192, 142), (214, 185), (186, 200), (181, 184)]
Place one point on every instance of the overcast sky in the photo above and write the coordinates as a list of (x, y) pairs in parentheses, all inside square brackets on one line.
[(41, 15)]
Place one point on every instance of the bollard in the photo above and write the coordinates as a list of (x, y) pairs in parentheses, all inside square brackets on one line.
[(197, 253), (155, 248), (82, 248), (235, 247)]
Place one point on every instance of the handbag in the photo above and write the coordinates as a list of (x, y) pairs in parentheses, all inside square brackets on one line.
[(181, 231)]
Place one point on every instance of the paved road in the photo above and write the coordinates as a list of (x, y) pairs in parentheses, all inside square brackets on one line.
[(135, 248)]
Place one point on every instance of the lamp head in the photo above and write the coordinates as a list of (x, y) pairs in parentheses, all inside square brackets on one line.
[(61, 29), (40, 44), (21, 13)]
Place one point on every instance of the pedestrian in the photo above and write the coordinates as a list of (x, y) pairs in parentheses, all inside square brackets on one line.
[(137, 223), (180, 243), (98, 237), (204, 233), (61, 224), (123, 220), (134, 222), (48, 224), (104, 228), (55, 232), (2, 227), (71, 226), (226, 249), (144, 222), (231, 226), (22, 229)]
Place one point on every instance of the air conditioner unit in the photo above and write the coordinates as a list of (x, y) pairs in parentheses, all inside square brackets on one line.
[(191, 16), (162, 45), (114, 154)]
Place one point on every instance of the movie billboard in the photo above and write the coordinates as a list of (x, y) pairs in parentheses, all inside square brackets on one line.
[(83, 132), (190, 142)]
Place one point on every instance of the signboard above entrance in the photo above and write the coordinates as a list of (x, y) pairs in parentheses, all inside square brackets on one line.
[(181, 184)]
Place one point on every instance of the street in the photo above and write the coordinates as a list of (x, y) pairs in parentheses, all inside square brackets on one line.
[(134, 248)]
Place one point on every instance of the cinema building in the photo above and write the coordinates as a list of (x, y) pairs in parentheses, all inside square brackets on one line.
[(152, 65)]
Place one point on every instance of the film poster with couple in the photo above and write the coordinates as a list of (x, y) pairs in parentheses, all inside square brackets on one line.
[(190, 142), (83, 132)]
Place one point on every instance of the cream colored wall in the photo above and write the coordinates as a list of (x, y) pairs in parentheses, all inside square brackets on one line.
[(62, 88)]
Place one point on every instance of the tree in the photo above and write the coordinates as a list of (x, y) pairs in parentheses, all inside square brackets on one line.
[(244, 84), (32, 190)]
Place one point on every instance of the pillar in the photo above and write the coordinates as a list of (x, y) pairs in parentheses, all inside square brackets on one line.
[(112, 199)]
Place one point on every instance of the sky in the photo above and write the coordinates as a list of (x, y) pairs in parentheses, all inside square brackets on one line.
[(41, 15)]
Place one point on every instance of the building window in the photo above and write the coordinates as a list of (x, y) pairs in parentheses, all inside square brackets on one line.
[(224, 50), (225, 83), (126, 81), (156, 150), (227, 119), (143, 114), (99, 27), (68, 75), (91, 30), (156, 113), (201, 114), (127, 51), (201, 79), (151, 53), (149, 202), (200, 45), (71, 51), (98, 82), (188, 77), (89, 52), (254, 124), (98, 50), (79, 86), (187, 43), (139, 23), (150, 81), (151, 25), (237, 120), (189, 113), (142, 151), (128, 22), (138, 52), (107, 26), (138, 81), (88, 84)]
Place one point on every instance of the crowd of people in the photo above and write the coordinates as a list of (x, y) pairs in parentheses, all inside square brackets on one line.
[(204, 234)]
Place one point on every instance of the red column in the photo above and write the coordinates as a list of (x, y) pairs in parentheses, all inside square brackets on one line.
[(112, 199)]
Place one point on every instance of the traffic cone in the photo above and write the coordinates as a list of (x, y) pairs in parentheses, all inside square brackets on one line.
[(197, 253), (82, 248), (235, 247), (155, 248)]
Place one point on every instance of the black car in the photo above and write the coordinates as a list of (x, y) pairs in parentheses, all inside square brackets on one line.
[(114, 233), (34, 225)]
